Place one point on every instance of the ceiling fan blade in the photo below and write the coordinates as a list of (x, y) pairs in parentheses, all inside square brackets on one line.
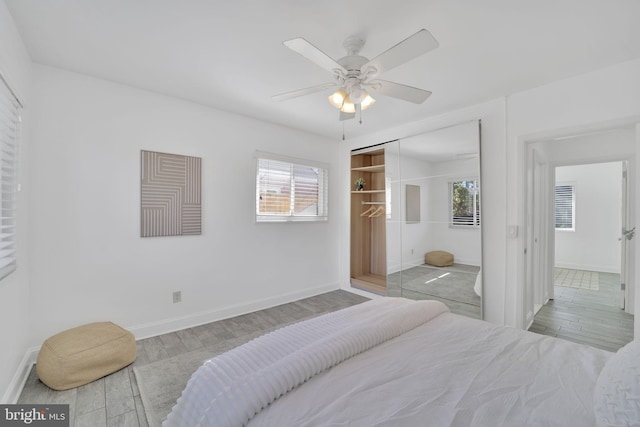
[(302, 92), (397, 90), (408, 49), (346, 116), (313, 54)]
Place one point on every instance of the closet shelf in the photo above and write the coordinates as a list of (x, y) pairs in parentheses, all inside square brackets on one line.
[(367, 191), (375, 168)]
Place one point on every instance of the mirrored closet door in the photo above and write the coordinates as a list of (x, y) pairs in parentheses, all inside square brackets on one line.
[(419, 209), (441, 238)]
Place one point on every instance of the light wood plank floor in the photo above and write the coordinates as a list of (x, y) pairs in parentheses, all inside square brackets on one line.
[(587, 316), (115, 399)]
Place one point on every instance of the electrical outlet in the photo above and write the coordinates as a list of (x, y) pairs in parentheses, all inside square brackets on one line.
[(177, 296)]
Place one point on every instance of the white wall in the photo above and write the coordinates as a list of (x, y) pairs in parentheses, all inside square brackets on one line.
[(416, 238), (88, 260), (593, 244), (570, 106), (15, 65)]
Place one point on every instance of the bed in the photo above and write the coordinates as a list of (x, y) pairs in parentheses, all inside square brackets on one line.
[(393, 361)]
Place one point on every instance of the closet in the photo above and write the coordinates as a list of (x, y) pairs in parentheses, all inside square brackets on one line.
[(368, 221)]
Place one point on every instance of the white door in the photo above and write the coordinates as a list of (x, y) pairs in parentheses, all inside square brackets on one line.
[(624, 240), (537, 266), (535, 294)]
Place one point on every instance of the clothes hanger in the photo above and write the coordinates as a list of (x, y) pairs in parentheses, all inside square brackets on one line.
[(377, 212), (367, 211)]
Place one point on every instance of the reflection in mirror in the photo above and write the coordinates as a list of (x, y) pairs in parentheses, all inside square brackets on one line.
[(434, 232)]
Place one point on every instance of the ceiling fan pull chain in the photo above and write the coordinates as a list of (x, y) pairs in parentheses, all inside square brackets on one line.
[(343, 131)]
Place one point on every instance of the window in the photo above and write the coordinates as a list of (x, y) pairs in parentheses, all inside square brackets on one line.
[(290, 189), (9, 137), (464, 198), (565, 207)]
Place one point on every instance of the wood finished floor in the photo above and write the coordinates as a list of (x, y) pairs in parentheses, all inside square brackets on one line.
[(115, 399), (465, 275), (587, 316)]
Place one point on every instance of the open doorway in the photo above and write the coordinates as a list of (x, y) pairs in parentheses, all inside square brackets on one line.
[(575, 261)]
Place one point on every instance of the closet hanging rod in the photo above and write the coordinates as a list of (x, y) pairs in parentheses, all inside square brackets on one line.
[(373, 203)]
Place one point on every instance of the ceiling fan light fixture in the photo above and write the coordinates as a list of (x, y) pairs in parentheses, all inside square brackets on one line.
[(340, 100), (348, 106), (337, 99), (367, 102)]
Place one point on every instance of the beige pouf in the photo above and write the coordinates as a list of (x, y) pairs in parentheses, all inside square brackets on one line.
[(439, 258), (80, 355)]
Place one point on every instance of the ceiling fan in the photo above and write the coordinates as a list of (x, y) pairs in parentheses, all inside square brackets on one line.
[(355, 76)]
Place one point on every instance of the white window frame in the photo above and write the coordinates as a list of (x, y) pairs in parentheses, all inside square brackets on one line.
[(10, 128), (476, 214), (573, 206), (323, 190)]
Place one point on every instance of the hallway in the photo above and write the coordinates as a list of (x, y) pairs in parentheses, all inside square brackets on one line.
[(584, 312)]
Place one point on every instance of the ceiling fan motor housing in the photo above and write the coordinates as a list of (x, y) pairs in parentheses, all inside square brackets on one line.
[(354, 78), (354, 89)]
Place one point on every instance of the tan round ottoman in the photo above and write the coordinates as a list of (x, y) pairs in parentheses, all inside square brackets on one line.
[(439, 258), (80, 355)]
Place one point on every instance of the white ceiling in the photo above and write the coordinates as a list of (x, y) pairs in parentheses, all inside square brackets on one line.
[(229, 54)]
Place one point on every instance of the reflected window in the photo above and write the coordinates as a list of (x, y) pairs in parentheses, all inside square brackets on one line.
[(464, 203)]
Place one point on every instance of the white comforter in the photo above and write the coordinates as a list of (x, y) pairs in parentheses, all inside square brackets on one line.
[(448, 370), (230, 389)]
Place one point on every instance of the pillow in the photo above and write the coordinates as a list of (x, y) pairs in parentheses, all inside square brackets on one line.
[(617, 393)]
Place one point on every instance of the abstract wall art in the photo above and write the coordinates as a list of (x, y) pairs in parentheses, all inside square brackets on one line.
[(170, 201)]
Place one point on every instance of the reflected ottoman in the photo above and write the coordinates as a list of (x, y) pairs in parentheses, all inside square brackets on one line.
[(439, 258), (80, 355)]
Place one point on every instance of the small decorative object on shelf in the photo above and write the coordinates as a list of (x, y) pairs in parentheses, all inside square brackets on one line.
[(360, 184)]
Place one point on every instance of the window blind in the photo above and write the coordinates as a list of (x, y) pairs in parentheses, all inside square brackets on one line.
[(464, 203), (9, 137), (565, 207), (287, 191)]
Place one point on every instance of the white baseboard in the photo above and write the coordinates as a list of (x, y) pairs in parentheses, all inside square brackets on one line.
[(171, 325), (153, 329), (371, 295), (20, 377), (469, 261)]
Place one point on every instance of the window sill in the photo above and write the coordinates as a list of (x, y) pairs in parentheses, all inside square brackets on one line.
[(286, 219)]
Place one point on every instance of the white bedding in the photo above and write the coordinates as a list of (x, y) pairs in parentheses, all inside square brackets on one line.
[(449, 370), (230, 389)]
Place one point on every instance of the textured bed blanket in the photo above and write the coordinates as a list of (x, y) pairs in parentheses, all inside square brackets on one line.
[(230, 389), (451, 371)]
